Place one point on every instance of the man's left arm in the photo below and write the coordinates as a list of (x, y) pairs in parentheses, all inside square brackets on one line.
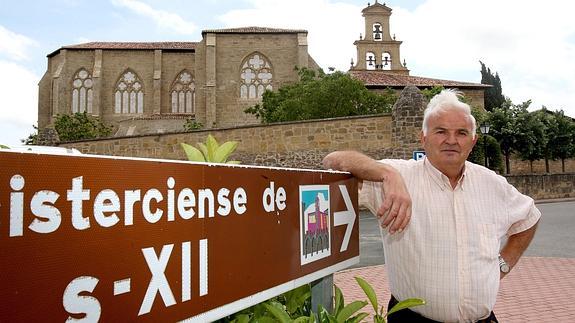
[(516, 245)]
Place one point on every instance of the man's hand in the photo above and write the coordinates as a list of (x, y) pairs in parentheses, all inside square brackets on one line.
[(395, 212), (396, 207)]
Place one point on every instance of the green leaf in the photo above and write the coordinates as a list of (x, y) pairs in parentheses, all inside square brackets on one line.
[(212, 145), (339, 301), (242, 318), (349, 310), (406, 303), (368, 290), (234, 162), (192, 153), (277, 310), (204, 151), (302, 319), (358, 318), (224, 151), (324, 316)]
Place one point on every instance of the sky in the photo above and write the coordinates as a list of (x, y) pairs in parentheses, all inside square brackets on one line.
[(530, 44)]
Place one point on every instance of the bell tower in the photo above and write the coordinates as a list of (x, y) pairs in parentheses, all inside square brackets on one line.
[(376, 49)]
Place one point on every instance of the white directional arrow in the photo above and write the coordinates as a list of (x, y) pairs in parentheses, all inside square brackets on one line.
[(345, 217)]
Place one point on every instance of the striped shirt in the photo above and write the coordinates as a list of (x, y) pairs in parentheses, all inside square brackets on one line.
[(448, 253)]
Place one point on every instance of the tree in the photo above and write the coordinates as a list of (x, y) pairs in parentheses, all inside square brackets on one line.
[(562, 139), (494, 95), (485, 145), (431, 92), (531, 136), (320, 95), (32, 138), (79, 126), (504, 128)]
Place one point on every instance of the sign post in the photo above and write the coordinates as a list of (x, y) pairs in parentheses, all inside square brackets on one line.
[(124, 239)]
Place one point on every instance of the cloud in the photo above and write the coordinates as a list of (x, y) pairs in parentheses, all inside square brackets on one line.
[(525, 42), (14, 46), (163, 19), (330, 41), (18, 93)]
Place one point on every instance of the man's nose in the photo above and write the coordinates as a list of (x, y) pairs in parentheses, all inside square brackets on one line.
[(451, 139)]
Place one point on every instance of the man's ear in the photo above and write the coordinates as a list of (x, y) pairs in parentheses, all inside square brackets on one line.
[(422, 138), (475, 140)]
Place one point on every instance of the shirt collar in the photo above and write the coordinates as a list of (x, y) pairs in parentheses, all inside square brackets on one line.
[(440, 179)]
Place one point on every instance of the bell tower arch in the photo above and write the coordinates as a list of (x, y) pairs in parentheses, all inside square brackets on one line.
[(377, 49)]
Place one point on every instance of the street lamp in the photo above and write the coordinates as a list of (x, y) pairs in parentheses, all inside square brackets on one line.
[(484, 131)]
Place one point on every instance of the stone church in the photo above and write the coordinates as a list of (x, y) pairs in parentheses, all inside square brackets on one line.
[(153, 87)]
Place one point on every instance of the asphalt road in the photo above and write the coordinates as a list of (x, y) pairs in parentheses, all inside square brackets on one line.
[(555, 235)]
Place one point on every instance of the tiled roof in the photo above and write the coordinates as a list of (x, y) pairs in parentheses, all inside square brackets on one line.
[(383, 79), (254, 30), (131, 46)]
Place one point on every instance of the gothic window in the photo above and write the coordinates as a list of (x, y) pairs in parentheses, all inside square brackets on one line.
[(82, 92), (129, 94), (255, 77), (386, 61), (377, 32), (183, 93), (370, 60)]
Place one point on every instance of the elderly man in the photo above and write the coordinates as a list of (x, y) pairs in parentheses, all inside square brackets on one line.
[(443, 219)]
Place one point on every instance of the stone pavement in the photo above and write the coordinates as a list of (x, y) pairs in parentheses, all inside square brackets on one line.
[(539, 289)]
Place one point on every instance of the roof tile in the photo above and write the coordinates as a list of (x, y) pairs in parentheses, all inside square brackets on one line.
[(385, 79), (254, 30)]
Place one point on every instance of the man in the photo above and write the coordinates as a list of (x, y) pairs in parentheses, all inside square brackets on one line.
[(445, 219)]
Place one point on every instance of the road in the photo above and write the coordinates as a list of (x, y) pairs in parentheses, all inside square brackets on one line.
[(555, 236)]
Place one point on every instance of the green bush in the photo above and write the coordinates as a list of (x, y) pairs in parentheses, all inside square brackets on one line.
[(80, 126), (295, 307), (192, 124)]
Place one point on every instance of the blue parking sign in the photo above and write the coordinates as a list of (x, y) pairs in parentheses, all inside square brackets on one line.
[(418, 154)]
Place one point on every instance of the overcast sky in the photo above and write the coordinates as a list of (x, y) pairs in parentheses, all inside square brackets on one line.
[(530, 44)]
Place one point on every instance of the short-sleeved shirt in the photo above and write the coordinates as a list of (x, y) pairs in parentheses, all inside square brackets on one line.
[(448, 254)]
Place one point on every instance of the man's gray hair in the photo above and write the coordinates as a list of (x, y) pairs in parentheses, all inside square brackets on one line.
[(444, 101)]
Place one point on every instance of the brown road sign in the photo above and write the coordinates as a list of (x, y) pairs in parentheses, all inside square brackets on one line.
[(123, 239)]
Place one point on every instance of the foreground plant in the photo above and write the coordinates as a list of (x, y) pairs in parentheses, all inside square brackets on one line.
[(379, 316), (211, 151), (295, 307)]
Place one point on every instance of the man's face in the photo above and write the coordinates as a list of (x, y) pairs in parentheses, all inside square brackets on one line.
[(449, 139)]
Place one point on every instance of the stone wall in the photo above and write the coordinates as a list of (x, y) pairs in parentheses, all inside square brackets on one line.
[(407, 117), (523, 167), (290, 144), (545, 186)]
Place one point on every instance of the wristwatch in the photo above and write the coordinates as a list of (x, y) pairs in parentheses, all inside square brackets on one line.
[(503, 266)]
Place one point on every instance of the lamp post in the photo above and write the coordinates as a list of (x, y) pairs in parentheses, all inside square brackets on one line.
[(484, 131)]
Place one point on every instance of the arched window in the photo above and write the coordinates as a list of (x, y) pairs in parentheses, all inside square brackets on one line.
[(256, 76), (183, 93), (129, 94), (377, 32), (82, 91), (370, 61), (386, 61)]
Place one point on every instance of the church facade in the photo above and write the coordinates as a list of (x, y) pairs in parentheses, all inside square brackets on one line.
[(154, 87)]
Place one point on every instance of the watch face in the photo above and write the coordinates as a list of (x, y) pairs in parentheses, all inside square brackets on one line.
[(503, 266)]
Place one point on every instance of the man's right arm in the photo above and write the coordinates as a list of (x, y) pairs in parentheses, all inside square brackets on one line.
[(396, 205)]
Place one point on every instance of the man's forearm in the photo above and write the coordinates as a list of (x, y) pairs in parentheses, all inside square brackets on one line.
[(516, 245), (396, 208), (360, 165)]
